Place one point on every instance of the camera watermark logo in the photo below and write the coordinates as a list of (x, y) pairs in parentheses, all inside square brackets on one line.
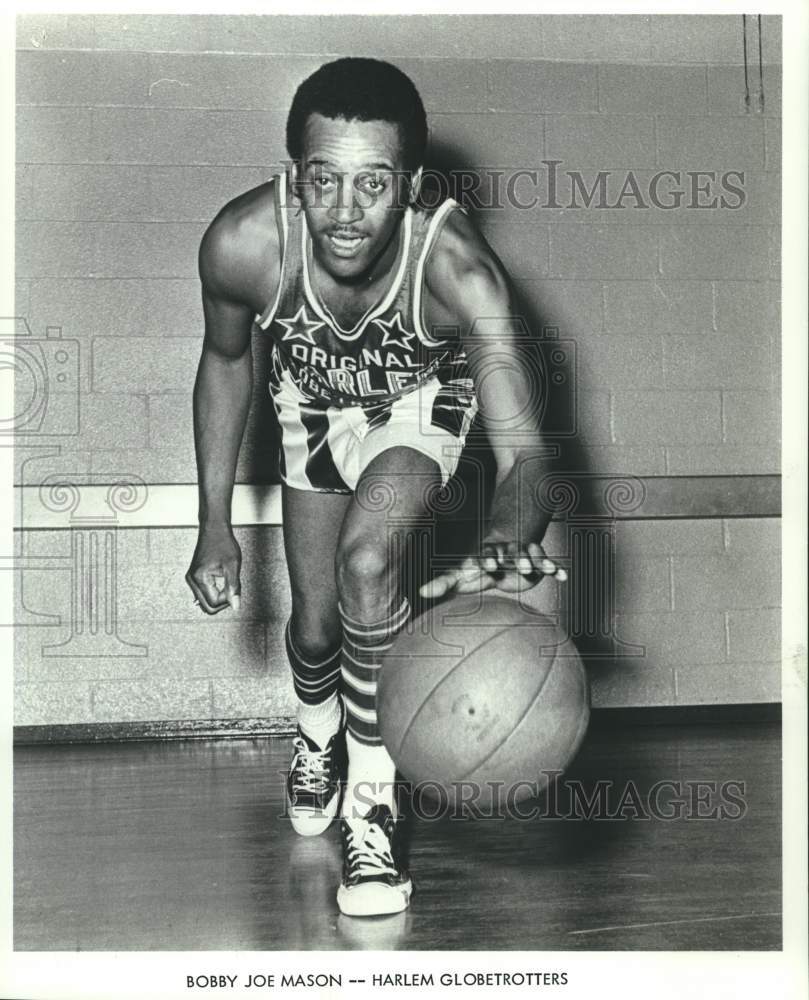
[(41, 377), (43, 403)]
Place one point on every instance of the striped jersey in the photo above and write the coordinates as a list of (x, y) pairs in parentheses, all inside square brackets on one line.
[(389, 351)]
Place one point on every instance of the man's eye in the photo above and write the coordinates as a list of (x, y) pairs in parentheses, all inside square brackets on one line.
[(373, 184), (320, 181)]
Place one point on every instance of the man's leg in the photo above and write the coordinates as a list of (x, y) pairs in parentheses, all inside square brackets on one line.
[(313, 640), (392, 490)]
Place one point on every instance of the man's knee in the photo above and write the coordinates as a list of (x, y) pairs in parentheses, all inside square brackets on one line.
[(313, 638), (362, 568)]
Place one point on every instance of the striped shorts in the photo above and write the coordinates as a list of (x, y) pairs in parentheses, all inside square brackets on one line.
[(325, 448)]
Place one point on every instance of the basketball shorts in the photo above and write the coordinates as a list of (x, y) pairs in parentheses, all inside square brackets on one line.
[(325, 448)]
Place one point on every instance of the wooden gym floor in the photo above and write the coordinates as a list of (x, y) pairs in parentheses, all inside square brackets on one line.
[(180, 846)]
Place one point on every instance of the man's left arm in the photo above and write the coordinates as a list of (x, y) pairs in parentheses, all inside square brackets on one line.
[(468, 282)]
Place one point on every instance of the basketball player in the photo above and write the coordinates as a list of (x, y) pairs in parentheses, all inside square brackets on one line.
[(380, 315)]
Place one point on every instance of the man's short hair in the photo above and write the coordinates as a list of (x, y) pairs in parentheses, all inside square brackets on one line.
[(361, 90)]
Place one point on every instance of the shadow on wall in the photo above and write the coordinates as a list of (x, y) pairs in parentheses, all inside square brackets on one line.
[(457, 530), (585, 610)]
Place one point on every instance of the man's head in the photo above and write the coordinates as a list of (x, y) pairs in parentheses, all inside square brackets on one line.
[(362, 90), (357, 133)]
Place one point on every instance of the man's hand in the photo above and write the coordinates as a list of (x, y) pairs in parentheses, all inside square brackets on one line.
[(213, 575), (505, 565)]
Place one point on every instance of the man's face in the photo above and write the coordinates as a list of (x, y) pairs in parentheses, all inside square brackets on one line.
[(353, 189)]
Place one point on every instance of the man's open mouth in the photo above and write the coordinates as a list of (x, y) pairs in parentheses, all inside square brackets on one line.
[(345, 245)]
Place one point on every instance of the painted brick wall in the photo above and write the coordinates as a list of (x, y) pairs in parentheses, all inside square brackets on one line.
[(688, 591), (133, 131)]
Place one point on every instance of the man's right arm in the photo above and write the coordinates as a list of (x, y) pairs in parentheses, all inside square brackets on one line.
[(222, 394)]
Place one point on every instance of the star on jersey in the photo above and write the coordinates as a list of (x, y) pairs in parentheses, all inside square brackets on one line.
[(393, 334), (300, 327)]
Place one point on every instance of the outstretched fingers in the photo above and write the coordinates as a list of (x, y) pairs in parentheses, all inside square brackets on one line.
[(464, 579), (506, 565), (541, 563)]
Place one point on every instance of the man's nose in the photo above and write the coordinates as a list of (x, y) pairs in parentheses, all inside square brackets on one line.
[(346, 208)]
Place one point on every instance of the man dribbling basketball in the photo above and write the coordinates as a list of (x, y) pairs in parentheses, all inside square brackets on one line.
[(384, 319)]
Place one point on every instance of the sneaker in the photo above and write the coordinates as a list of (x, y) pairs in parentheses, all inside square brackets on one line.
[(315, 782), (374, 881)]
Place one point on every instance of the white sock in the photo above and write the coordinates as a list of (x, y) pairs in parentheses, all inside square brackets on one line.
[(371, 775), (320, 722)]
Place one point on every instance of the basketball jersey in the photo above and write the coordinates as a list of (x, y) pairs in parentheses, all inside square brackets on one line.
[(388, 352)]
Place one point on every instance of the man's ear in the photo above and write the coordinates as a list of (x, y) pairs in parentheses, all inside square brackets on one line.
[(415, 184), (295, 178)]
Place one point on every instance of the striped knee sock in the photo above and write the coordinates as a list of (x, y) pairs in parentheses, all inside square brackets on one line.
[(370, 769), (316, 686)]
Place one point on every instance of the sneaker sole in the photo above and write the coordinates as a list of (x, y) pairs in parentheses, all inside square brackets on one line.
[(313, 822), (373, 899)]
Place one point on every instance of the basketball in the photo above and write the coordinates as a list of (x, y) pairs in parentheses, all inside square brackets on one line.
[(483, 693)]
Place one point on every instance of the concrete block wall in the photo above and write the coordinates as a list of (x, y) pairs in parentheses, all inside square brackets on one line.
[(688, 591), (133, 130), (229, 666)]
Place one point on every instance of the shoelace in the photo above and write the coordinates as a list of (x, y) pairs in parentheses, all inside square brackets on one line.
[(310, 767), (369, 852)]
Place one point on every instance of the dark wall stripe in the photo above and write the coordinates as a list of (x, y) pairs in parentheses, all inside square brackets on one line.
[(641, 498), (189, 729), (658, 498)]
